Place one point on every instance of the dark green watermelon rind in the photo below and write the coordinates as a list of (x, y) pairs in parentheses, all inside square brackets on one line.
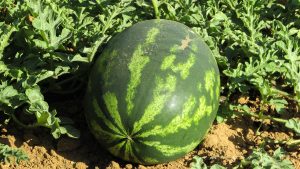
[(189, 104)]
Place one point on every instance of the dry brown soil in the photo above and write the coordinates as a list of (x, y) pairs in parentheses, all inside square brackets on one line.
[(226, 144)]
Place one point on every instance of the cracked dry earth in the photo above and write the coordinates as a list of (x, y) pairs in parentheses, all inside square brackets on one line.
[(226, 144)]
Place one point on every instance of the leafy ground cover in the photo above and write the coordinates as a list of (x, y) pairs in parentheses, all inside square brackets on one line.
[(47, 48)]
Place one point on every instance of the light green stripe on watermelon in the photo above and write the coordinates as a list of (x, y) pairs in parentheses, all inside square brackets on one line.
[(168, 62), (194, 47), (184, 119), (174, 49), (151, 160), (111, 102), (210, 82), (168, 150), (128, 150), (202, 110), (107, 66), (105, 135), (100, 114), (151, 35), (136, 65), (209, 79), (115, 150), (129, 155), (199, 87), (182, 68), (162, 91)]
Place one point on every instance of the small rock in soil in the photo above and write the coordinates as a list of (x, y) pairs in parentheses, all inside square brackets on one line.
[(114, 165), (3, 130), (53, 153), (67, 144), (128, 166), (243, 100), (80, 165), (141, 167)]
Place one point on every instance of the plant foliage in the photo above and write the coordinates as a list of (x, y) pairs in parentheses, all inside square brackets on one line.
[(8, 154), (259, 159)]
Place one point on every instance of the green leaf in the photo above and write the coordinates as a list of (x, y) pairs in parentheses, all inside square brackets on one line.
[(217, 166), (261, 159), (47, 23), (5, 36), (225, 112), (218, 17), (57, 132), (279, 104), (79, 58), (34, 94), (15, 74), (3, 67), (44, 74), (60, 70), (294, 124), (6, 94), (40, 43), (7, 154), (198, 163)]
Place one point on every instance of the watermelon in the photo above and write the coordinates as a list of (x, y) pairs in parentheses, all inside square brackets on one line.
[(153, 92)]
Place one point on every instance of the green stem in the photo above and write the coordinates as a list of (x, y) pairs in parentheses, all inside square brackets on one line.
[(156, 11), (290, 142), (96, 47), (262, 116)]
